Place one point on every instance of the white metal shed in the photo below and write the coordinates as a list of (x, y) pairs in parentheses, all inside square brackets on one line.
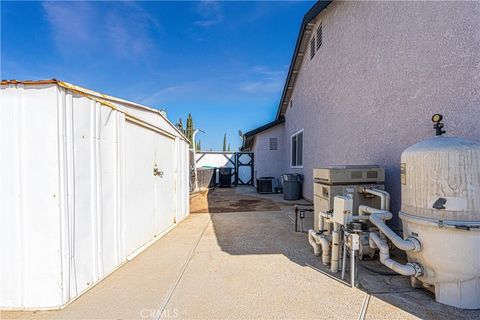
[(87, 182)]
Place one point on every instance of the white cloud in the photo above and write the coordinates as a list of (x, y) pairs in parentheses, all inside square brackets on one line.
[(261, 86), (211, 13), (121, 28), (71, 22), (266, 80), (165, 94)]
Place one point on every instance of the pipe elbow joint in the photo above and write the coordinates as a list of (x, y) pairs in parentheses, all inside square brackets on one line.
[(417, 267), (417, 246), (371, 243)]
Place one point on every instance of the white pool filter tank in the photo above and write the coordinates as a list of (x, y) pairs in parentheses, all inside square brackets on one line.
[(440, 180)]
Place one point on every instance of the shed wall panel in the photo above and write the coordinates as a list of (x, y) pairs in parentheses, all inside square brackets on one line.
[(78, 192)]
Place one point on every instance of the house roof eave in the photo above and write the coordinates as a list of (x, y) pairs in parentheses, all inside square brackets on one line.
[(306, 28)]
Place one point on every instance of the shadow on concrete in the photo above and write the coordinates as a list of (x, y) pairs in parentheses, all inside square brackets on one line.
[(247, 223)]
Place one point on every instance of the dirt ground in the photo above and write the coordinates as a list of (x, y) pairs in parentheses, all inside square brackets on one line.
[(227, 200)]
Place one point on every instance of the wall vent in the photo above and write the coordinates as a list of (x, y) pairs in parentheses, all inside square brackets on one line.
[(356, 175), (372, 174), (319, 36), (273, 144), (312, 48)]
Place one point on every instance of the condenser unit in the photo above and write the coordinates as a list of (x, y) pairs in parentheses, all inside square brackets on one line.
[(267, 185)]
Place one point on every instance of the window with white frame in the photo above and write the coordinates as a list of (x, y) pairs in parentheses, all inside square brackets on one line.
[(297, 149)]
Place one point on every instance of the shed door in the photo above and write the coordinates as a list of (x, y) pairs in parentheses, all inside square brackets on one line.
[(164, 183), (139, 186)]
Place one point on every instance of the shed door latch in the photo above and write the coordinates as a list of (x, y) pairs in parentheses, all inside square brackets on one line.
[(157, 172)]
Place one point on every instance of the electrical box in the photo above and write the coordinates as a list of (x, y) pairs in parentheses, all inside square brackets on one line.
[(342, 209), (353, 241)]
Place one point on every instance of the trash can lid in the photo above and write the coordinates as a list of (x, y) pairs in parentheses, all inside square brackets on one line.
[(296, 177)]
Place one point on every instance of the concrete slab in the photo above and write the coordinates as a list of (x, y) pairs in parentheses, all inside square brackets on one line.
[(253, 266), (139, 286), (244, 265)]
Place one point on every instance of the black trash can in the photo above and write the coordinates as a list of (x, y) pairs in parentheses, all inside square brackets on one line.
[(292, 186), (225, 177)]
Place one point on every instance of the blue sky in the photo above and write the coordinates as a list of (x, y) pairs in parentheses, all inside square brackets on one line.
[(224, 62)]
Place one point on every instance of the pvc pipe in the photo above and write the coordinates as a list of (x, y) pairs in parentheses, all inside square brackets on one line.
[(328, 227), (383, 195), (378, 217), (352, 268), (325, 223), (359, 218), (409, 269), (325, 250), (313, 243), (318, 241), (321, 224), (335, 247), (344, 256)]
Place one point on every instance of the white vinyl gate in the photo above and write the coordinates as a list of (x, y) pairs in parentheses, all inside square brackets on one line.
[(240, 162)]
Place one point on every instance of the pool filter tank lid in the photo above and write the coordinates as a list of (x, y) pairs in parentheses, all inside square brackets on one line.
[(440, 179)]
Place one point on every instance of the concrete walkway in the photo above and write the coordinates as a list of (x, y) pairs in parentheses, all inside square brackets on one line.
[(249, 265)]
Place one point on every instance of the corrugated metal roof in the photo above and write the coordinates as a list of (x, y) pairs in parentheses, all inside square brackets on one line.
[(97, 96)]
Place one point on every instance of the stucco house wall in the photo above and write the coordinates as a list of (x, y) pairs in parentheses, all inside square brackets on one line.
[(383, 70), (269, 163)]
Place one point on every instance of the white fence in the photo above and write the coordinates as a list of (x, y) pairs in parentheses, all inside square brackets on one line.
[(240, 162)]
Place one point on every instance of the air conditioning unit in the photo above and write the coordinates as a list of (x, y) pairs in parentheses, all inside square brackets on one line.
[(267, 185)]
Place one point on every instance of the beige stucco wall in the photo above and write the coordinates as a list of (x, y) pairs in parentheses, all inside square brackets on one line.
[(269, 163), (384, 68)]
